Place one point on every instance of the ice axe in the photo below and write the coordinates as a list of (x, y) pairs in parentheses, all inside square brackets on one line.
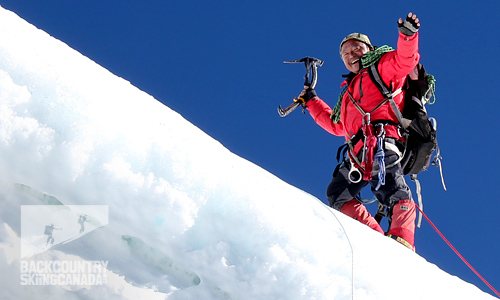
[(311, 65)]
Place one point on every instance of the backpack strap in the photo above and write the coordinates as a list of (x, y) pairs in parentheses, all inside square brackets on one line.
[(419, 198), (386, 91)]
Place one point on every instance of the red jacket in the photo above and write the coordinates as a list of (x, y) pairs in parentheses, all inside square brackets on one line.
[(393, 67)]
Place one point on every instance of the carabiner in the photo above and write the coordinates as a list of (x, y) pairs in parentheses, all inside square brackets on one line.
[(367, 119), (382, 130)]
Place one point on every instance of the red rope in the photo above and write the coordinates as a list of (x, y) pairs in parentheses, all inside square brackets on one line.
[(456, 251)]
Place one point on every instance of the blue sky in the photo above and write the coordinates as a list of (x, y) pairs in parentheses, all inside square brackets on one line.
[(219, 64)]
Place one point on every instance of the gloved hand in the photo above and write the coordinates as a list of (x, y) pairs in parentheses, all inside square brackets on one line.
[(306, 95), (410, 26)]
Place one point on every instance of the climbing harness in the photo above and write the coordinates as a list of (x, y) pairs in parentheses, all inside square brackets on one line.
[(371, 141)]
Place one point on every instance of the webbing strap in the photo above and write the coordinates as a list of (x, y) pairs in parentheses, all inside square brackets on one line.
[(437, 162), (375, 75), (380, 212), (419, 197), (386, 91)]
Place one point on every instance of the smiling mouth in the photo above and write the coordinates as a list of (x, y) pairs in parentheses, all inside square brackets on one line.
[(355, 61)]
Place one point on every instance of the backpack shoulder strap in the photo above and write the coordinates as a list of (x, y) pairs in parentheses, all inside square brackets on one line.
[(385, 90)]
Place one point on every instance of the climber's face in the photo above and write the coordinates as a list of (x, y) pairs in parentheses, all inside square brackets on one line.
[(351, 54)]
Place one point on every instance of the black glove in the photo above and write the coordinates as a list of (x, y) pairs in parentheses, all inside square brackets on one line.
[(410, 26), (306, 95)]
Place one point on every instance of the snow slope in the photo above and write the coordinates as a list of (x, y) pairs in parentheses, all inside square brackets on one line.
[(187, 219)]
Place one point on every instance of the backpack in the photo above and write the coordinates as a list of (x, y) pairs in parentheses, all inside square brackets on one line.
[(419, 129), (48, 230)]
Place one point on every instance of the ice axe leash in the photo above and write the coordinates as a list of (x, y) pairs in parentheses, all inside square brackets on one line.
[(311, 65)]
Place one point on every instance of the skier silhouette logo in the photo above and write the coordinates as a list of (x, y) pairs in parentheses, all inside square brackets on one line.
[(48, 231), (81, 221), (44, 227)]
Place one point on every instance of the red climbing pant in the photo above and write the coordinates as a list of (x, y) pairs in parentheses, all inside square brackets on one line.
[(358, 211), (403, 221)]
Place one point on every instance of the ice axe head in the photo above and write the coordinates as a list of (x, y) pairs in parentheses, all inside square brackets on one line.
[(311, 65)]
